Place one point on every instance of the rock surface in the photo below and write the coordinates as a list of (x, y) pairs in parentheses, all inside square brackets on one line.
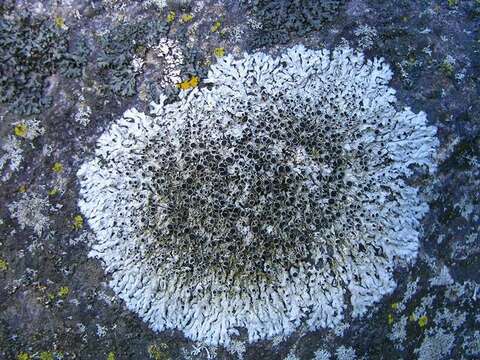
[(55, 302)]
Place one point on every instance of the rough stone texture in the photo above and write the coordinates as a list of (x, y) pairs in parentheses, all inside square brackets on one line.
[(55, 300)]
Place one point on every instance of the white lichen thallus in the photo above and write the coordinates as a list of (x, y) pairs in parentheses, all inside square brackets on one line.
[(262, 200)]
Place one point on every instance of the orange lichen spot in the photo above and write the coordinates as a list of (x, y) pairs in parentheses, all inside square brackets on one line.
[(189, 84)]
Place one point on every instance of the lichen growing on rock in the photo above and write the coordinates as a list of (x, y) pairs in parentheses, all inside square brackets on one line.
[(31, 211), (263, 200), (282, 20), (121, 45), (31, 49)]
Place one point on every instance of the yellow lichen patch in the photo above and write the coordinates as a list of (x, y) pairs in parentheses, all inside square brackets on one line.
[(219, 52), (63, 292), (158, 352), (189, 84), (394, 306), (216, 26), (423, 321), (412, 317), (23, 356), (57, 167), (59, 22), (20, 130), (390, 319), (77, 222), (53, 192), (22, 189), (46, 355), (186, 18), (3, 265), (171, 17), (111, 356)]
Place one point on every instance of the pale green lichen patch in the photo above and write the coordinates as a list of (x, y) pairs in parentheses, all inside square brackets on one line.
[(78, 222), (63, 292), (216, 26), (57, 167), (23, 356), (46, 355), (158, 352), (3, 265)]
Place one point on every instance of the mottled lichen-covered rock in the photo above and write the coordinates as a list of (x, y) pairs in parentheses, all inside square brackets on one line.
[(279, 21), (262, 201), (31, 49)]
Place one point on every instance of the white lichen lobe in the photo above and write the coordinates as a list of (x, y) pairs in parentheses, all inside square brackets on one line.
[(263, 200)]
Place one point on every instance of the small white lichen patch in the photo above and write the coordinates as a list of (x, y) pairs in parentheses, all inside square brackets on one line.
[(12, 158), (101, 330), (367, 36), (448, 319), (137, 64), (31, 211), (322, 354), (443, 278), (471, 344), (340, 329), (193, 354), (260, 200), (398, 334), (466, 293), (469, 246), (83, 113), (411, 290), (345, 353), (168, 57), (160, 4), (291, 355), (237, 348), (436, 345), (425, 305)]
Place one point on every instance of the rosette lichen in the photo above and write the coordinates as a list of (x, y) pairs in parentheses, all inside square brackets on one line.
[(268, 198)]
